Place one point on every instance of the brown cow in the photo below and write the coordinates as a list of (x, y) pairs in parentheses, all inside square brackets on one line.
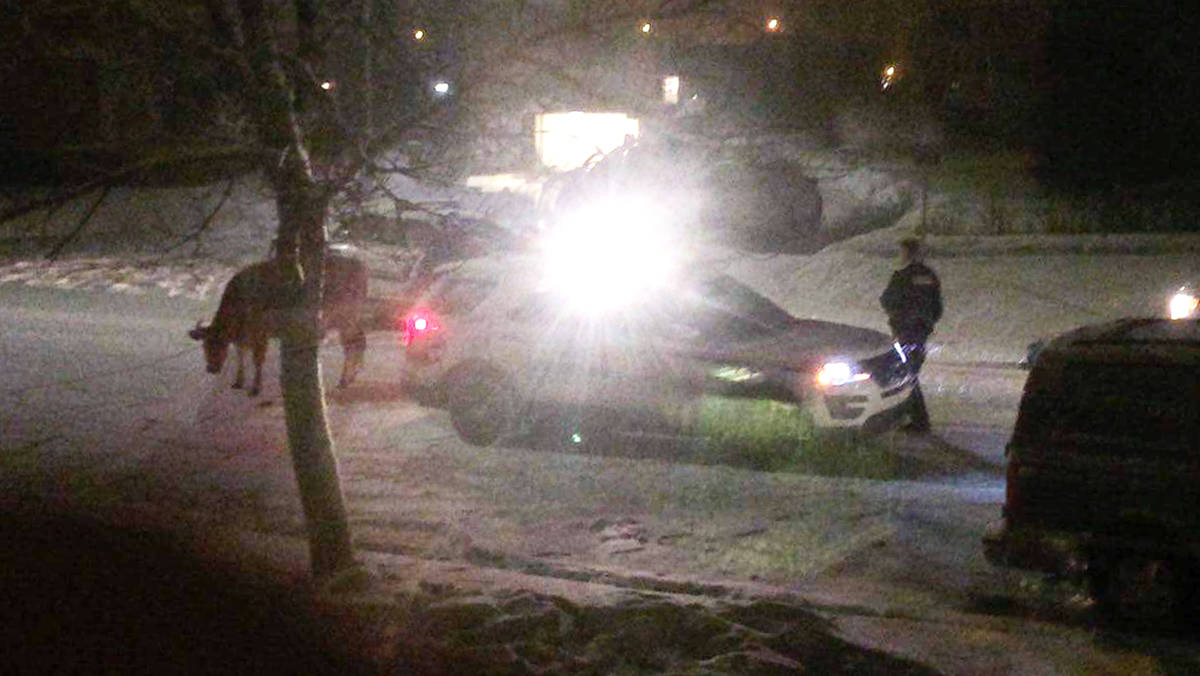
[(249, 315)]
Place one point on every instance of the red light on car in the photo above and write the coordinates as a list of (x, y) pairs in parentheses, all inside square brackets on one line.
[(417, 324)]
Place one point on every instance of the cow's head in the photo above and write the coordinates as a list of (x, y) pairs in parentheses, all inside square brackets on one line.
[(215, 349)]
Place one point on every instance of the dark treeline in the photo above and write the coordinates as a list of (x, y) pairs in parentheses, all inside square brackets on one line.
[(1120, 109), (1103, 93)]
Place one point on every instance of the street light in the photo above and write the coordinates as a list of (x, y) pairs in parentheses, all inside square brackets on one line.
[(774, 25), (645, 28), (418, 35), (441, 87), (888, 77)]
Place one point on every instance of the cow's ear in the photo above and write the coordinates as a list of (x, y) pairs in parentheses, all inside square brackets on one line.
[(198, 333)]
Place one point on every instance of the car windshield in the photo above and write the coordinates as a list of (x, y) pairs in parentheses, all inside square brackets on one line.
[(717, 308), (725, 309)]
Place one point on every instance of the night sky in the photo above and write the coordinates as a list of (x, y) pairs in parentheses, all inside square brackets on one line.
[(1114, 100), (1125, 85)]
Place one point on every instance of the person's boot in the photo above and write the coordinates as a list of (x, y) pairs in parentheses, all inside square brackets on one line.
[(918, 418)]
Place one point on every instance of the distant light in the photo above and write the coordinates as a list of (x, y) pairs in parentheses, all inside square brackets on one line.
[(773, 25), (670, 89), (442, 87), (418, 34), (576, 438), (646, 27), (889, 76), (1183, 305), (327, 85)]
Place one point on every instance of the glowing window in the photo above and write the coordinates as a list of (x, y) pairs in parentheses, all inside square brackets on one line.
[(670, 89), (567, 140)]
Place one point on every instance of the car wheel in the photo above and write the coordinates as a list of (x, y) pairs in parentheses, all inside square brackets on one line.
[(1137, 588), (482, 405)]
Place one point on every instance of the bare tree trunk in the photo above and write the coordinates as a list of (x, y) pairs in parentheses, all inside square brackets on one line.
[(302, 205), (301, 255)]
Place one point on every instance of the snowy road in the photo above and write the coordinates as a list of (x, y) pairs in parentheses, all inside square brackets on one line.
[(974, 405)]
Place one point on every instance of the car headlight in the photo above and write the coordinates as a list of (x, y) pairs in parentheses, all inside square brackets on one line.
[(834, 373)]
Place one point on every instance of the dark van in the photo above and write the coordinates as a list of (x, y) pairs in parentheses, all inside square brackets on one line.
[(1103, 480)]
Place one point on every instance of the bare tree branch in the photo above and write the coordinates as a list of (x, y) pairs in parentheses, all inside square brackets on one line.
[(83, 222), (208, 218)]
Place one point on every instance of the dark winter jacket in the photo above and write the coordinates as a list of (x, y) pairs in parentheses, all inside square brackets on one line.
[(913, 302)]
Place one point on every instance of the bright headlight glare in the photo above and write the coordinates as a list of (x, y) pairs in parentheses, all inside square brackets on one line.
[(610, 256), (1183, 305), (835, 373)]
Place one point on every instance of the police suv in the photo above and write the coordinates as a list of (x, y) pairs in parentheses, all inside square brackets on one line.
[(500, 344)]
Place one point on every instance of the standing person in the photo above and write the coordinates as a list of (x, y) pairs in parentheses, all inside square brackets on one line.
[(913, 303)]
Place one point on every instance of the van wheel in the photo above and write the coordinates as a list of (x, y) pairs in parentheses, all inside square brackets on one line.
[(1136, 587), (482, 405)]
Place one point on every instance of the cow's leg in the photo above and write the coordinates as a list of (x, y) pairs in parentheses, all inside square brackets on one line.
[(239, 378), (260, 355), (354, 346)]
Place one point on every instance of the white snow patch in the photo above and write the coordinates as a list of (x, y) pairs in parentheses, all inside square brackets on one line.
[(196, 279)]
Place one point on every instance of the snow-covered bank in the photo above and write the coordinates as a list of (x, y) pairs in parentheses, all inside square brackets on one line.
[(198, 279), (1000, 293)]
